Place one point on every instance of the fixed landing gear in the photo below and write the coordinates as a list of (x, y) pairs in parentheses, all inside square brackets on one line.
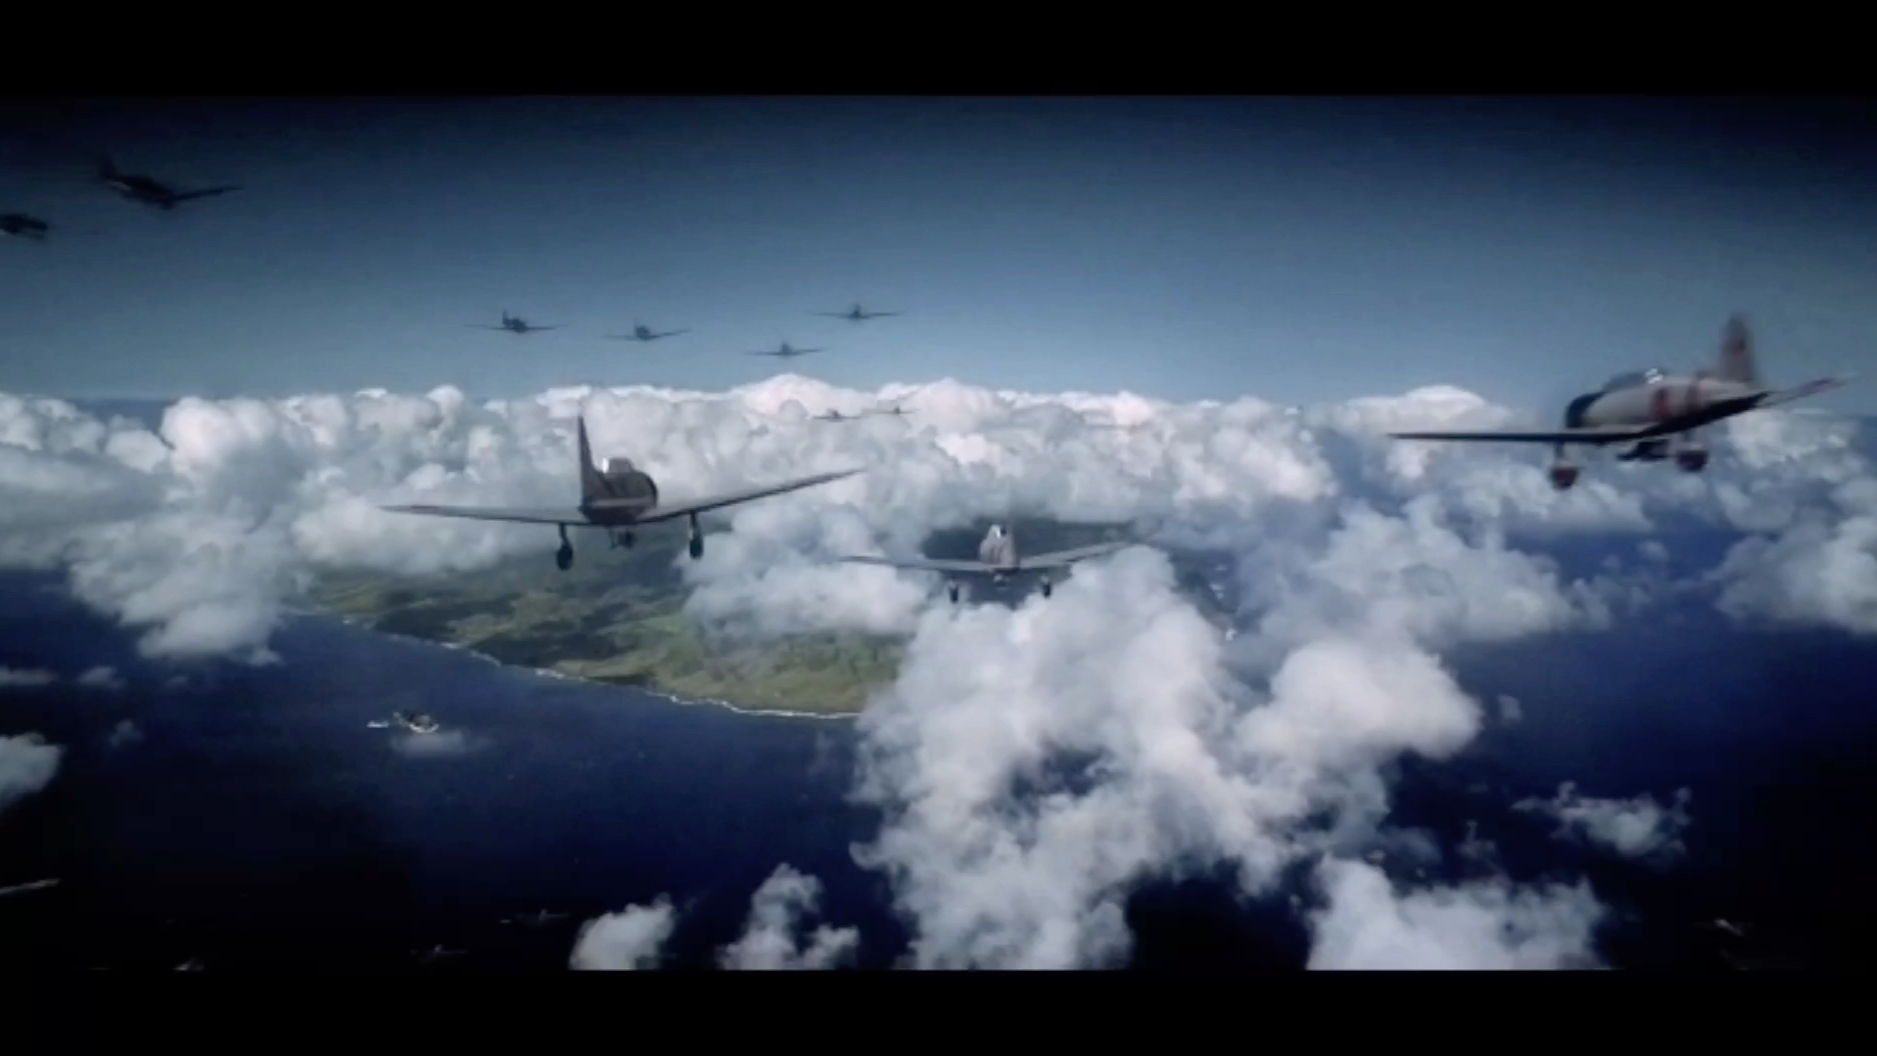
[(1563, 471), (625, 539), (952, 589), (1691, 457), (564, 557), (697, 539), (1047, 587)]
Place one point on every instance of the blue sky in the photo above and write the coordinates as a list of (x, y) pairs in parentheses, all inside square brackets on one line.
[(1298, 250)]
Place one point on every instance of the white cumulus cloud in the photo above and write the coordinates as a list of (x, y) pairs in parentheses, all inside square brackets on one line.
[(34, 676), (632, 939), (772, 938), (1036, 762), (1634, 828), (27, 764)]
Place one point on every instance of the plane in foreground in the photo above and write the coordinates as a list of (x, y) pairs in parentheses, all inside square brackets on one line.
[(150, 192), (641, 332), (857, 314), (514, 324), (20, 225), (1651, 409), (618, 497), (997, 558), (786, 352)]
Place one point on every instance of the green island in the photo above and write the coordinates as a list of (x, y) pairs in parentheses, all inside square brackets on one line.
[(617, 617)]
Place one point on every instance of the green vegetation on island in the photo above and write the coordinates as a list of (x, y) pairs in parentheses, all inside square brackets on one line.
[(617, 617)]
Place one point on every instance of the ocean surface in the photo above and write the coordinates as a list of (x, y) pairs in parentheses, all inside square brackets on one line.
[(255, 820)]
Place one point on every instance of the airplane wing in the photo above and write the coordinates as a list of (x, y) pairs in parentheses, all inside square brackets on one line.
[(190, 196), (1604, 435), (521, 515), (1800, 392), (673, 333), (663, 512), (1065, 558), (922, 564), (556, 326), (36, 885)]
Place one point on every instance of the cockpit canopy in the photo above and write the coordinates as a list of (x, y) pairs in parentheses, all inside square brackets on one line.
[(616, 464), (1633, 378)]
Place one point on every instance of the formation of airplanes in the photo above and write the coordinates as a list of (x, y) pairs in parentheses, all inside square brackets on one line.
[(1656, 413), (1651, 415), (1646, 410)]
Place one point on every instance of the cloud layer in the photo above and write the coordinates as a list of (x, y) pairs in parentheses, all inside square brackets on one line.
[(1036, 762)]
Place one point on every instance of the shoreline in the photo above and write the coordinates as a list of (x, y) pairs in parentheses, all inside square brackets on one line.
[(456, 647)]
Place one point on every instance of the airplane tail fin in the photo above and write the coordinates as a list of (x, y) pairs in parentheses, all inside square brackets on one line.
[(1737, 362), (591, 487)]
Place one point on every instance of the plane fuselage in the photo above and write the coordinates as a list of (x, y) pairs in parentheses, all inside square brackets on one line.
[(1690, 400), (999, 550)]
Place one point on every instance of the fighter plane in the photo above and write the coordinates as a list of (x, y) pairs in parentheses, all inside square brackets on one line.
[(21, 889), (21, 225), (150, 192), (539, 918), (1649, 409), (857, 314), (786, 352), (641, 332), (417, 723), (998, 559), (619, 497), (514, 324)]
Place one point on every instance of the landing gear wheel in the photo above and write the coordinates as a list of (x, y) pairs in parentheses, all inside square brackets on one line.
[(697, 547), (952, 589), (1563, 476), (1047, 587), (1692, 460), (564, 557)]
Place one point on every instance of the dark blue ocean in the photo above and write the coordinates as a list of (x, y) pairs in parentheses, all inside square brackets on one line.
[(257, 820)]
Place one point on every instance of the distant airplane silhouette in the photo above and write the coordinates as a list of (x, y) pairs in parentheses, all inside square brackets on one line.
[(857, 314), (150, 192), (643, 333), (785, 352), (514, 324), (21, 225)]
